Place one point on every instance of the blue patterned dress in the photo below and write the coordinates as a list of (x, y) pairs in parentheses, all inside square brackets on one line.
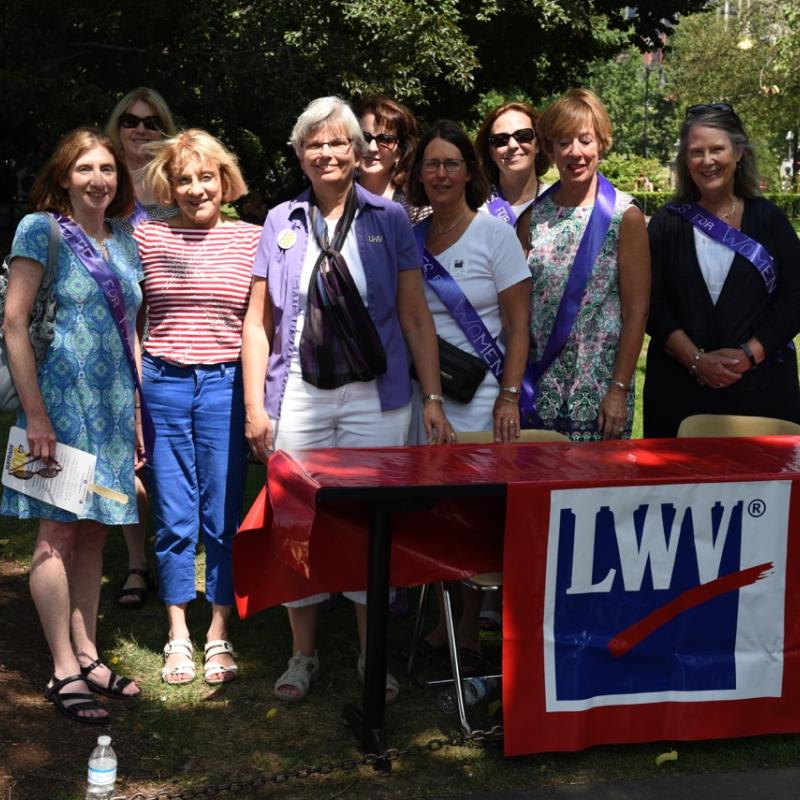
[(85, 379)]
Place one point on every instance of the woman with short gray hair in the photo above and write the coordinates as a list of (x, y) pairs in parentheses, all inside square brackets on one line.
[(336, 305)]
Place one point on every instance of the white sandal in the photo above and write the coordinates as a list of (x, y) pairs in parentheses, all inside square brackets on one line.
[(300, 674), (392, 686), (181, 647), (215, 674)]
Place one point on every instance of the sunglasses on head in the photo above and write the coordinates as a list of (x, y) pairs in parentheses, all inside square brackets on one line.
[(385, 140), (522, 136), (132, 121), (701, 108)]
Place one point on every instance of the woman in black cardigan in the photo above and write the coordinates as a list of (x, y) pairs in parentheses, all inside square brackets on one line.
[(721, 329)]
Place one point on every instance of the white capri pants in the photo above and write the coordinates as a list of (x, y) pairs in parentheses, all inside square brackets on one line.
[(349, 416)]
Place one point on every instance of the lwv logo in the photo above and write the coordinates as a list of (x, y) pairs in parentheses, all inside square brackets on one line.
[(661, 592)]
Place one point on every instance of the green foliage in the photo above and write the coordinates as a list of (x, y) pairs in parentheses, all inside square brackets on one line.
[(624, 171), (787, 202)]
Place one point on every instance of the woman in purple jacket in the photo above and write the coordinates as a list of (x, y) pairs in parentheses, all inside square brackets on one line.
[(307, 383)]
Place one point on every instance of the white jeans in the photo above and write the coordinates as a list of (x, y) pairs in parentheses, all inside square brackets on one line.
[(349, 416)]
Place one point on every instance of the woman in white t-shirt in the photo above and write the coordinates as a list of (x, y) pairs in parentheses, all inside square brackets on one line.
[(485, 259)]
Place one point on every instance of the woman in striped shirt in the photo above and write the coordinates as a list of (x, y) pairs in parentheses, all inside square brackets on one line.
[(197, 269)]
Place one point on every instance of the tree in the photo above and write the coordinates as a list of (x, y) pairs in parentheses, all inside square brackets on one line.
[(244, 70)]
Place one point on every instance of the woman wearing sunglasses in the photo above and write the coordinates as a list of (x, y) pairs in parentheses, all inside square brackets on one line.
[(726, 286), (81, 393), (390, 131), (588, 255), (336, 258), (508, 152), (139, 118), (480, 260)]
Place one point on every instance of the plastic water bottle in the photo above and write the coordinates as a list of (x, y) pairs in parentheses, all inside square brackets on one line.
[(102, 771), (475, 689)]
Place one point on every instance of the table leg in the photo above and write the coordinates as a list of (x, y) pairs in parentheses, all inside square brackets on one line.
[(369, 723)]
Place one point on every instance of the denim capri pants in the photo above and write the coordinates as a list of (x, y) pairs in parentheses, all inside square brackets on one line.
[(197, 472)]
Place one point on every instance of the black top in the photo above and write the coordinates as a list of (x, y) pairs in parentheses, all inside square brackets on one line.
[(680, 300)]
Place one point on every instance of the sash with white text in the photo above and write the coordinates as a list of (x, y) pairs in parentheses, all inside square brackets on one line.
[(733, 239)]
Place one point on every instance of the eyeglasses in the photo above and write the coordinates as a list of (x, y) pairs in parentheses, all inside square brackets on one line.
[(132, 121), (339, 147), (724, 108), (522, 136), (388, 141), (47, 470), (451, 165)]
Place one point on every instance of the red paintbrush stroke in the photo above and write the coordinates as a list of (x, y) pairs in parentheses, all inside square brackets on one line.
[(628, 639)]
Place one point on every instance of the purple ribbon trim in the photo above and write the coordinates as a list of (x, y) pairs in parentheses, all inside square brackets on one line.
[(719, 230), (81, 246), (581, 271), (499, 207), (468, 319), (139, 215)]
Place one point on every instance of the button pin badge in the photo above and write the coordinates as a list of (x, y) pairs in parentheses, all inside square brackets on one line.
[(286, 239)]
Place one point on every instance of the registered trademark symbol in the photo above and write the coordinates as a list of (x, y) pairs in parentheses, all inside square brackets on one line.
[(756, 508)]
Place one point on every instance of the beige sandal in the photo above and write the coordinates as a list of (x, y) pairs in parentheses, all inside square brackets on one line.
[(392, 686), (300, 674), (215, 674), (176, 674)]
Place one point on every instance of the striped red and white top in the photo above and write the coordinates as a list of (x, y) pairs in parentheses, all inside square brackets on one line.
[(196, 287)]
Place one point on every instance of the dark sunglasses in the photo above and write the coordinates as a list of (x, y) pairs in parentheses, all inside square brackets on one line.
[(522, 136), (701, 108), (48, 470), (388, 141), (132, 121)]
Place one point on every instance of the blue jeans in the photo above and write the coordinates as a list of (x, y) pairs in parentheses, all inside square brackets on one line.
[(197, 473)]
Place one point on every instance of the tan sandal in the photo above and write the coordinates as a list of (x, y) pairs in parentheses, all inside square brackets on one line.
[(392, 686), (213, 673), (176, 674)]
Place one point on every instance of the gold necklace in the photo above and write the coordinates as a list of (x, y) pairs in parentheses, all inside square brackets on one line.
[(729, 214), (452, 227)]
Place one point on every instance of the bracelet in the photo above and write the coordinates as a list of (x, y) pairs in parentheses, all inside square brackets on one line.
[(693, 366), (749, 353), (514, 401), (436, 398), (620, 385)]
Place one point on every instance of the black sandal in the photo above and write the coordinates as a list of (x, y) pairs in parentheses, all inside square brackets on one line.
[(84, 701), (115, 686), (137, 592)]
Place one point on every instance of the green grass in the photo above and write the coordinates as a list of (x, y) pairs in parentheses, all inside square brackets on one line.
[(185, 737)]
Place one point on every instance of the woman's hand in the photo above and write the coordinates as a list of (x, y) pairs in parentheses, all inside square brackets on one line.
[(506, 420), (258, 432), (613, 413), (438, 429), (41, 436), (139, 450), (720, 368)]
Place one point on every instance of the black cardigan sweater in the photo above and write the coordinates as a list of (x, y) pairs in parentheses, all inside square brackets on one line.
[(680, 300)]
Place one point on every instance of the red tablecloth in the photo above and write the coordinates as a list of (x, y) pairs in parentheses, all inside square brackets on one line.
[(562, 690)]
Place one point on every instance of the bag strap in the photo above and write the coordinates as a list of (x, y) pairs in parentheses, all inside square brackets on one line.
[(52, 252)]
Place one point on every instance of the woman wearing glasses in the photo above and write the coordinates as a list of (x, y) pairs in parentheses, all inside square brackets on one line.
[(726, 286), (390, 131), (139, 118), (588, 254), (506, 145), (481, 260), (336, 258), (81, 393)]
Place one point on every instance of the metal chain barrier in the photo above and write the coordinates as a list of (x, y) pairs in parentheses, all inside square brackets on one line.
[(489, 736)]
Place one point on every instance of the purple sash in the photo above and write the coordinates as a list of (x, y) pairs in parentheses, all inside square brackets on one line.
[(734, 239), (81, 246), (588, 250), (468, 319), (139, 214), (499, 207)]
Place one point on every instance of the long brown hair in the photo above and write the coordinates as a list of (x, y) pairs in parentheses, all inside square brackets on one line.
[(48, 192)]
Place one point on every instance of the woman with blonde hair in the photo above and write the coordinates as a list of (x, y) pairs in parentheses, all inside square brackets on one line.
[(139, 118), (589, 258), (197, 269), (80, 394)]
